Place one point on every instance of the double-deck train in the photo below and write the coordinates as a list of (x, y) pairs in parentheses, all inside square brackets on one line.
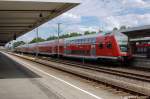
[(109, 46)]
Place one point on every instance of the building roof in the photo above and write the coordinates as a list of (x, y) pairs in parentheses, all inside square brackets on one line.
[(18, 17), (137, 32)]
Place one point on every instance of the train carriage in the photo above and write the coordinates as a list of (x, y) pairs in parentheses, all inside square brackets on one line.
[(97, 46), (111, 46)]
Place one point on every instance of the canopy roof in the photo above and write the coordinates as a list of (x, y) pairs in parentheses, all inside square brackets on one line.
[(20, 16), (137, 32)]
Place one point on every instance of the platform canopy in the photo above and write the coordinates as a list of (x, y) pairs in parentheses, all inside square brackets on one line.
[(137, 32), (18, 17)]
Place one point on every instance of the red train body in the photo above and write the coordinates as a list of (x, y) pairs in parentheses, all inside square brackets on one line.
[(96, 46), (142, 48)]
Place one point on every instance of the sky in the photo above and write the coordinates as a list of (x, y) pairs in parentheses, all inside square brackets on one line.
[(95, 15)]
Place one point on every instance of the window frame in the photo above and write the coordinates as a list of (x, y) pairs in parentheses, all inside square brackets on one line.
[(109, 45), (100, 45)]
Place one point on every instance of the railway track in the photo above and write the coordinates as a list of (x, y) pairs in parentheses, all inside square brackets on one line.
[(113, 71), (121, 73)]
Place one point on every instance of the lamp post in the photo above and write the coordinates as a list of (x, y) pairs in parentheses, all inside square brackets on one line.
[(37, 35), (58, 32)]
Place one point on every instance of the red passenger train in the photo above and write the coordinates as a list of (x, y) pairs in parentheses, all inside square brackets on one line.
[(143, 49), (111, 46)]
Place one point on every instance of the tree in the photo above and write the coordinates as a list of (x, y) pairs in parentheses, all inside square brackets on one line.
[(88, 32), (35, 40), (18, 43), (93, 32), (123, 27), (115, 29), (63, 36), (74, 34), (51, 38)]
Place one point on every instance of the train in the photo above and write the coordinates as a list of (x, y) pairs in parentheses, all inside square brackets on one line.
[(108, 46), (143, 49)]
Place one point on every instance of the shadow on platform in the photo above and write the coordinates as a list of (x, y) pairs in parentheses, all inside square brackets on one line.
[(10, 69)]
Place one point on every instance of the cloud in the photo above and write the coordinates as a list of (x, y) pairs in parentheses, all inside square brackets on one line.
[(107, 14), (79, 28), (135, 3), (115, 13), (70, 15), (131, 20)]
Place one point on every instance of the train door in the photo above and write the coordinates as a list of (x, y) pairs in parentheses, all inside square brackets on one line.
[(93, 50)]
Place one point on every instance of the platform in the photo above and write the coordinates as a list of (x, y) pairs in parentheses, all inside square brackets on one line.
[(23, 79), (17, 82)]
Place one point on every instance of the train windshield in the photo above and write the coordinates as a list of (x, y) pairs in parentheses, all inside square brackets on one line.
[(122, 40)]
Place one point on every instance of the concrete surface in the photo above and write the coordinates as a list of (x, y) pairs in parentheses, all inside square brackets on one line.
[(68, 86), (17, 82)]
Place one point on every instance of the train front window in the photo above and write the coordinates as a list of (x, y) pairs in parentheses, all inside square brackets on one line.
[(123, 48)]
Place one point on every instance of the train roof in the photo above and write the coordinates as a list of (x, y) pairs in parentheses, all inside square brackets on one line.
[(88, 36), (39, 43), (141, 39), (68, 39), (137, 32)]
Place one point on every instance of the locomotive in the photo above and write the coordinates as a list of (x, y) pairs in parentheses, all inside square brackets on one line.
[(109, 46)]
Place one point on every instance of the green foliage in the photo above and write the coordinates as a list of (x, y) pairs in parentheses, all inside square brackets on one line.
[(18, 43), (74, 34), (122, 27), (88, 32), (64, 36), (51, 38), (39, 39), (115, 29)]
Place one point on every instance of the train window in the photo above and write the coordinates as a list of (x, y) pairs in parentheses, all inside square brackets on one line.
[(93, 40), (78, 41), (100, 45), (81, 41), (75, 41), (109, 45), (84, 40), (123, 48), (67, 42), (87, 40)]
